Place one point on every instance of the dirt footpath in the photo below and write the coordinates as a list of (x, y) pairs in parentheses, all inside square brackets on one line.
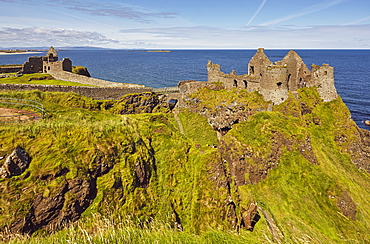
[(11, 114)]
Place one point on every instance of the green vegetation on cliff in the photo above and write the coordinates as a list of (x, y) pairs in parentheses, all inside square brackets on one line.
[(80, 70), (141, 179)]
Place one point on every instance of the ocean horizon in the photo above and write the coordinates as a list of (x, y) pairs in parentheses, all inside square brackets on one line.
[(166, 69)]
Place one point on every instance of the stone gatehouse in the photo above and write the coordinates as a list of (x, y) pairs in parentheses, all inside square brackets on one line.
[(46, 64)]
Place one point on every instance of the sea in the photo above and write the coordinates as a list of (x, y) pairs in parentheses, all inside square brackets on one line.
[(166, 69)]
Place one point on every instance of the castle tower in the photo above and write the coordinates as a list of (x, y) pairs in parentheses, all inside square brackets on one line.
[(274, 83), (214, 72), (323, 78), (52, 55), (258, 60), (297, 72)]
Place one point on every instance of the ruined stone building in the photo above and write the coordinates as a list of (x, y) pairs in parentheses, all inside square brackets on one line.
[(272, 80), (46, 64)]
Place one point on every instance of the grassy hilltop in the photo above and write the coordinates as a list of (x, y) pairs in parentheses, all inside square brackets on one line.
[(167, 178)]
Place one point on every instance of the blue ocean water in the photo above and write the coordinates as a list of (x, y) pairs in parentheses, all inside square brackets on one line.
[(166, 69)]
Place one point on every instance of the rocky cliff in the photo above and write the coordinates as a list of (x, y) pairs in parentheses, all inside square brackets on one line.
[(296, 172)]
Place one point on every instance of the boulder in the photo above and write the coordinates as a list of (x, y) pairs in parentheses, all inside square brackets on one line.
[(15, 164)]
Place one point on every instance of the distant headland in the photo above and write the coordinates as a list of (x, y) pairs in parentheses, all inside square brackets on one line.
[(19, 51)]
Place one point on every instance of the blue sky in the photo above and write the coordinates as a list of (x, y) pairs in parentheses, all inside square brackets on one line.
[(186, 24)]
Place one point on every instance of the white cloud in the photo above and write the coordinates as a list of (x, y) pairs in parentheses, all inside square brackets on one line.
[(288, 37), (38, 36)]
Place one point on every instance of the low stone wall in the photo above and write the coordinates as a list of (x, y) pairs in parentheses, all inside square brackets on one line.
[(11, 69), (68, 76), (101, 93)]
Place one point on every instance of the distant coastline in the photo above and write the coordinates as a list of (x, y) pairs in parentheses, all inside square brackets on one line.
[(11, 52), (150, 51)]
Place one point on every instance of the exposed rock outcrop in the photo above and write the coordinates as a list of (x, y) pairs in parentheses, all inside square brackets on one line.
[(251, 217), (146, 102), (360, 151), (15, 164), (55, 211), (347, 205), (80, 70)]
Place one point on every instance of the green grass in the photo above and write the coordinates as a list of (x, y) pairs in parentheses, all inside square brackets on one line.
[(108, 231), (25, 79), (196, 128), (185, 172), (9, 65)]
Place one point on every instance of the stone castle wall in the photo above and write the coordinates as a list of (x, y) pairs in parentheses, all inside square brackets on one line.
[(323, 79), (99, 93), (68, 76), (274, 80), (33, 65), (11, 69)]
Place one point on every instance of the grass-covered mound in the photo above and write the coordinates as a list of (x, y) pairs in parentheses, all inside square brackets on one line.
[(37, 79), (148, 178)]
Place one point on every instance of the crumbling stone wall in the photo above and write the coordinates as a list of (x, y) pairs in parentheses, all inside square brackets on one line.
[(46, 64), (275, 80), (258, 61), (92, 92), (298, 73), (275, 84), (11, 69), (33, 65), (190, 86), (68, 76), (64, 65), (323, 78)]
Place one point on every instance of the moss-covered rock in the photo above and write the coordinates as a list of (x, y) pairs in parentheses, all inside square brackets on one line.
[(80, 70)]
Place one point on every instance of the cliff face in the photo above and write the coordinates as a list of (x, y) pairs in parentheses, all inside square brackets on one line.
[(294, 172)]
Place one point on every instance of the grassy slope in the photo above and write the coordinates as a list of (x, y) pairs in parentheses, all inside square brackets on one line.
[(25, 79), (296, 193)]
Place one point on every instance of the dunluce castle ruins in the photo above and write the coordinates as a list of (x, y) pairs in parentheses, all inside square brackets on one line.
[(62, 70), (43, 64), (272, 80)]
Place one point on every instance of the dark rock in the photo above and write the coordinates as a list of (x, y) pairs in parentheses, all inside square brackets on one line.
[(360, 150), (54, 212), (251, 217), (15, 164)]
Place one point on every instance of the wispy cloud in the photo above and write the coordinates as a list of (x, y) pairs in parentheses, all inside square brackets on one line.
[(135, 13), (79, 17), (358, 21), (286, 38), (309, 10), (56, 37), (257, 12)]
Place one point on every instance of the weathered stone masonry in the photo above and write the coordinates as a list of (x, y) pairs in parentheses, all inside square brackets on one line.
[(273, 80)]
